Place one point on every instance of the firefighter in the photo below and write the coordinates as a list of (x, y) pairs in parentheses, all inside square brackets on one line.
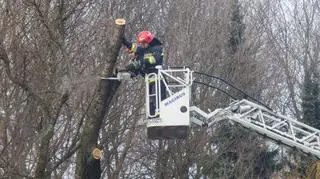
[(145, 55)]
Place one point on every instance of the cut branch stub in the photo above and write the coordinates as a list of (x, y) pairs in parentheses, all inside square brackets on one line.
[(120, 22)]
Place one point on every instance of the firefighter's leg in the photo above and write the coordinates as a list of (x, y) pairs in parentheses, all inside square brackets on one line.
[(163, 91), (152, 100)]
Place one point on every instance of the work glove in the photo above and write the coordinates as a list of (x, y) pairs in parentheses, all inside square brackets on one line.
[(133, 66)]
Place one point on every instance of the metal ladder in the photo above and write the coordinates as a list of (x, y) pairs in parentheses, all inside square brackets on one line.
[(258, 118)]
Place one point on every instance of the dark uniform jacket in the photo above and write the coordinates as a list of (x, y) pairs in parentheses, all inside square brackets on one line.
[(148, 57)]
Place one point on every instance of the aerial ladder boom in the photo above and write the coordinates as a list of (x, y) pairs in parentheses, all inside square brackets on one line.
[(265, 122), (173, 116)]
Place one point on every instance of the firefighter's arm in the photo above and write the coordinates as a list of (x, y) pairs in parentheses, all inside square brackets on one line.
[(126, 43), (132, 47), (158, 55), (154, 58)]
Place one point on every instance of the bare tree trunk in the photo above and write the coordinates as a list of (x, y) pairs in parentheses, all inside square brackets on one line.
[(103, 95), (45, 141)]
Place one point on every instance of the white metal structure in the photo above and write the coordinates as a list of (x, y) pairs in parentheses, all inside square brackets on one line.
[(171, 116), (176, 115), (168, 103)]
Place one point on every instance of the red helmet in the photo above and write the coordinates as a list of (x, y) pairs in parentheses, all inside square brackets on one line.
[(145, 36)]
